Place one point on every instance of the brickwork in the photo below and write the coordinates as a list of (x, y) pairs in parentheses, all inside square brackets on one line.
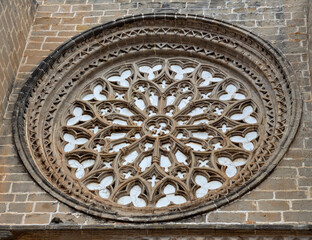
[(283, 198), (16, 17)]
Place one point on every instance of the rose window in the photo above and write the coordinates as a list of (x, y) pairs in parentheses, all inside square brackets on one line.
[(156, 117)]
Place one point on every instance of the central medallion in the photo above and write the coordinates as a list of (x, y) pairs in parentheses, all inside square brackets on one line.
[(158, 126)]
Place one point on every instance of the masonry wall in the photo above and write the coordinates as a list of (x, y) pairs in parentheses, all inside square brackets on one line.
[(16, 17), (284, 198)]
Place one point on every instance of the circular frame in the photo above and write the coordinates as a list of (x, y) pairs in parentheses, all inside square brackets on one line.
[(221, 33)]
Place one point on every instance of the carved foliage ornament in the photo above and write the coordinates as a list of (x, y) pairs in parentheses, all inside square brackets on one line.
[(156, 117)]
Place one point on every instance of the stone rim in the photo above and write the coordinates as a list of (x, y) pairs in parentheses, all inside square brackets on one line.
[(20, 109)]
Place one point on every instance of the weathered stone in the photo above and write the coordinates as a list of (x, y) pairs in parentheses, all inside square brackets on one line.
[(268, 217), (37, 219), (291, 195), (285, 24), (20, 207), (45, 207), (12, 218), (298, 216), (273, 205), (226, 217)]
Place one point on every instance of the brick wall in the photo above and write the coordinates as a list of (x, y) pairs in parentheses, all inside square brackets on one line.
[(16, 17), (284, 198)]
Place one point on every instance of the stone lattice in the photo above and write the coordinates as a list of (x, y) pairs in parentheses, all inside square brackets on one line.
[(169, 132)]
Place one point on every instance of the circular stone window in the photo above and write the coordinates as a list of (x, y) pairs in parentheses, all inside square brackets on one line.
[(156, 117)]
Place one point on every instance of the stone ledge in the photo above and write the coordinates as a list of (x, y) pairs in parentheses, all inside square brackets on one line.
[(184, 232), (246, 228)]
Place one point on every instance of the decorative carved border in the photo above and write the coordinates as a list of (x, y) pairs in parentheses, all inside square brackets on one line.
[(208, 38)]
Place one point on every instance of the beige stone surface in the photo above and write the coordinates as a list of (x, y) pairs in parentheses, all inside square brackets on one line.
[(284, 198)]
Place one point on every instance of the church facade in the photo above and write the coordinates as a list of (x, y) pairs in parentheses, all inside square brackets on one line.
[(158, 120)]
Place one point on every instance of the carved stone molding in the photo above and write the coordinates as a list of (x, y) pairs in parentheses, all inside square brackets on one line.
[(156, 117)]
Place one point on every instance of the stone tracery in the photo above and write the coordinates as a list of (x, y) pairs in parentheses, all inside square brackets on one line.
[(145, 97)]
